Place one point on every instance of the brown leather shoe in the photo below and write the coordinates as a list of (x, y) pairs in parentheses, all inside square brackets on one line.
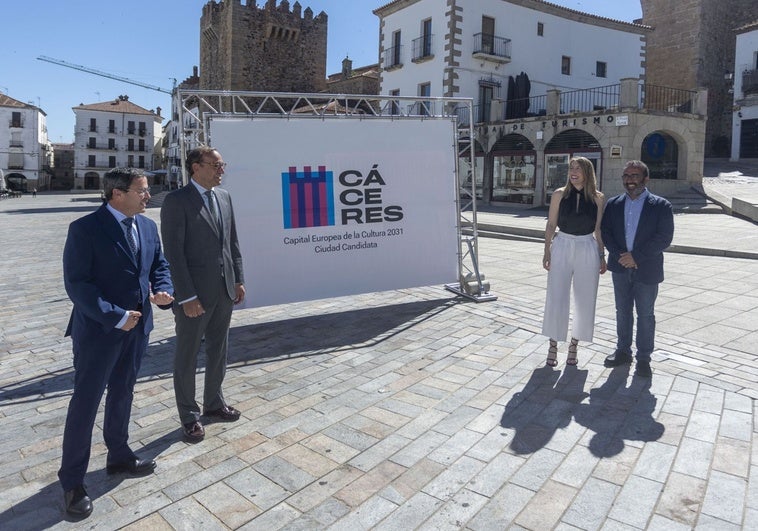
[(194, 432), (225, 414)]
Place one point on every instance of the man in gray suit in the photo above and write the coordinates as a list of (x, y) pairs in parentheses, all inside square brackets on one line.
[(201, 246)]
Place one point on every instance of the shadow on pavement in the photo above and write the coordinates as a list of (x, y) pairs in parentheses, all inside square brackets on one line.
[(261, 343), (45, 508), (328, 333), (617, 413), (544, 405), (53, 210)]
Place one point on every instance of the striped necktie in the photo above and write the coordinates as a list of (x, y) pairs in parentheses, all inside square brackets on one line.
[(130, 235)]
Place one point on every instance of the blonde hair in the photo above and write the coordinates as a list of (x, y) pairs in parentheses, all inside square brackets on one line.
[(590, 179)]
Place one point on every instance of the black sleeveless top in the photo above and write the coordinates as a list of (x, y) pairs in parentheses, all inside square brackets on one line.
[(576, 215)]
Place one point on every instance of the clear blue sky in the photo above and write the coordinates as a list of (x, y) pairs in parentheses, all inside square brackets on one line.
[(153, 41)]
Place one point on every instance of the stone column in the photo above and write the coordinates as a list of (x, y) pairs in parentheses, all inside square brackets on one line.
[(629, 93), (553, 103)]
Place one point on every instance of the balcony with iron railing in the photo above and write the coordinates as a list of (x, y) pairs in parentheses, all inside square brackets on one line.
[(650, 98), (750, 82), (422, 49), (592, 99), (16, 123), (105, 147), (666, 99), (492, 48), (392, 58)]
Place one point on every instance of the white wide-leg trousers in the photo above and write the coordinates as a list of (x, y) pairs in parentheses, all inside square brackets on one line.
[(573, 260)]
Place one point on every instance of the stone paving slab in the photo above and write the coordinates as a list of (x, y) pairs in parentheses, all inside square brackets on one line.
[(410, 409)]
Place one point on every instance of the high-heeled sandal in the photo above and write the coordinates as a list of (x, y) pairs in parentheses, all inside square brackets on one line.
[(552, 354), (572, 360)]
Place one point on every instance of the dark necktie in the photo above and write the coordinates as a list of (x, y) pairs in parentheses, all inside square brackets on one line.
[(212, 207), (130, 235)]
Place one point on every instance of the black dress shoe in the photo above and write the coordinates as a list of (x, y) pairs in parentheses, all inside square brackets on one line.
[(135, 467), (193, 431), (78, 503), (618, 358), (225, 414), (643, 369)]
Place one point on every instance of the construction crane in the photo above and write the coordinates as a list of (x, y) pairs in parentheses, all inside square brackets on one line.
[(104, 74)]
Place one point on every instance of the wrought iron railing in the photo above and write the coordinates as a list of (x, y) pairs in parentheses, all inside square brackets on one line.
[(592, 99), (393, 57), (666, 99), (488, 44), (750, 82), (422, 47), (526, 107)]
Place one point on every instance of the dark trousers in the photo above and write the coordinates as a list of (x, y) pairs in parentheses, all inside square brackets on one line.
[(101, 364), (631, 294), (214, 326)]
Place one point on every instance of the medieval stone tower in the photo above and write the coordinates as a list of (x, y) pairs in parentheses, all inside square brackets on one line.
[(269, 49), (692, 46)]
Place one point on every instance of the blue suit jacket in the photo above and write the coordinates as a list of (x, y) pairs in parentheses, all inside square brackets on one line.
[(654, 234), (103, 279)]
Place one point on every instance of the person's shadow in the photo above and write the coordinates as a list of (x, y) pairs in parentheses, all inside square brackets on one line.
[(545, 404), (617, 413)]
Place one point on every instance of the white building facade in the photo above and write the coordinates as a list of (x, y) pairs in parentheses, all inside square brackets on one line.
[(113, 134), (548, 83), (745, 109), (26, 154)]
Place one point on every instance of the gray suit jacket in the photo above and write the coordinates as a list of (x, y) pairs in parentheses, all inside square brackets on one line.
[(196, 252)]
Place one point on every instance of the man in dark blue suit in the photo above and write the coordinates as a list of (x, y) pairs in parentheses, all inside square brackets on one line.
[(113, 268), (637, 226)]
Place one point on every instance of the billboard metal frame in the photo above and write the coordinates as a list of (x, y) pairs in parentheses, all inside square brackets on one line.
[(196, 109)]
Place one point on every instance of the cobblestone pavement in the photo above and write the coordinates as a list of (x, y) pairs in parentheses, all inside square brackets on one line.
[(410, 409)]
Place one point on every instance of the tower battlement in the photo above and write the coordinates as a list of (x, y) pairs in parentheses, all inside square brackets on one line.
[(269, 48)]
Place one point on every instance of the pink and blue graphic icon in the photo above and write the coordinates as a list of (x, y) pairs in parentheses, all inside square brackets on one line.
[(307, 198)]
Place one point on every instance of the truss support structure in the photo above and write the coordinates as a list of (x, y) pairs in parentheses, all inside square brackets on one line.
[(196, 109)]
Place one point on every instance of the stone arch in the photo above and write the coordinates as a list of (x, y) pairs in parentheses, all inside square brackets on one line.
[(92, 180), (16, 182), (678, 134)]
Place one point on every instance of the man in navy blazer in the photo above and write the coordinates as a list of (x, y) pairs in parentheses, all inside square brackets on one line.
[(113, 268), (637, 227)]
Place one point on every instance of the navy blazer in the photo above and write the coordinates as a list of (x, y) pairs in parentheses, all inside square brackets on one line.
[(102, 276), (654, 234)]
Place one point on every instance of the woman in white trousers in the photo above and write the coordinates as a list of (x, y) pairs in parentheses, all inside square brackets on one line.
[(574, 256)]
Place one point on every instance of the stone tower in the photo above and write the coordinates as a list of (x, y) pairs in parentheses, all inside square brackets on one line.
[(268, 49), (692, 46)]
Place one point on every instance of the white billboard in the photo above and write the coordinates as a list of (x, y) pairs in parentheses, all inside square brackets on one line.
[(340, 206)]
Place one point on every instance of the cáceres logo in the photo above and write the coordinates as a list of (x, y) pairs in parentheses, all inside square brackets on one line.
[(308, 198)]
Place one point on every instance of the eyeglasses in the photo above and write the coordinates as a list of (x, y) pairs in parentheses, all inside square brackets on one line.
[(142, 192), (217, 165)]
